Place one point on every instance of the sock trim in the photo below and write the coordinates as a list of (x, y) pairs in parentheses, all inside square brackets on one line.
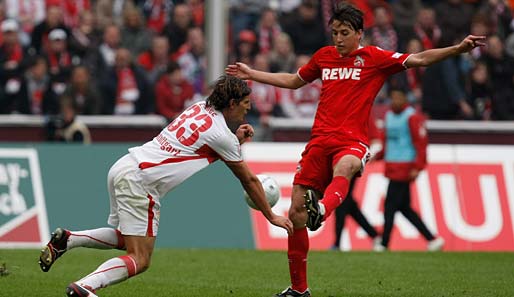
[(130, 263)]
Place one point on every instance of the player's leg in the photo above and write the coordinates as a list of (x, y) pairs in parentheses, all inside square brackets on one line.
[(344, 170), (118, 269), (102, 238), (409, 213), (63, 240), (359, 217), (298, 245), (392, 204)]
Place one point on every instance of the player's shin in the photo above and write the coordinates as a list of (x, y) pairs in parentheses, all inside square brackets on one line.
[(101, 238), (298, 247), (335, 194), (111, 272)]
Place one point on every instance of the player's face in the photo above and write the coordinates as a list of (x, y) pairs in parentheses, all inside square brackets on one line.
[(240, 109), (345, 38)]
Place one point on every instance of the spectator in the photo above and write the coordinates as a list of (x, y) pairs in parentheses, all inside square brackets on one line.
[(383, 34), (265, 102), (125, 88), (37, 96), (480, 94), (404, 152), (498, 16), (404, 14), (268, 30), (102, 58), (134, 34), (110, 12), (13, 61), (28, 13), (193, 61), (178, 27), (501, 74), (282, 57), (85, 37), (367, 7), (301, 103), (54, 20), (65, 126), (157, 14), (197, 12), (246, 47), (71, 9), (60, 59), (244, 15), (444, 97), (82, 92), (454, 27), (479, 26), (305, 30), (426, 28), (172, 92), (155, 61)]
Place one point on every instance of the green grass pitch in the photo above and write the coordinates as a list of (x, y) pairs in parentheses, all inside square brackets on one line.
[(213, 273)]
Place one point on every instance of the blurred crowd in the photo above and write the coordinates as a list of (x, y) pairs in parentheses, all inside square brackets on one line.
[(123, 57)]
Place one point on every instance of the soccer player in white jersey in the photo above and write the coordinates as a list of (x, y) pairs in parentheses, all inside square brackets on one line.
[(138, 180)]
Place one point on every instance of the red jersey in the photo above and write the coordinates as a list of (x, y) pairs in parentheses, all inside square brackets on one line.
[(349, 87)]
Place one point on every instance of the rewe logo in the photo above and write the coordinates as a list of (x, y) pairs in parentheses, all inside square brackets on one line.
[(23, 220), (341, 73)]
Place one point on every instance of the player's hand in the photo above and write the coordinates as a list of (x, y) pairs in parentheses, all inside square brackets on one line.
[(282, 222), (471, 42), (239, 70), (244, 132)]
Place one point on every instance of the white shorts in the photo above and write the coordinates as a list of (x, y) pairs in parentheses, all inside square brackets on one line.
[(133, 210)]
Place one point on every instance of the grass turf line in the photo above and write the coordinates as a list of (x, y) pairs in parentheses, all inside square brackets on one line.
[(213, 273)]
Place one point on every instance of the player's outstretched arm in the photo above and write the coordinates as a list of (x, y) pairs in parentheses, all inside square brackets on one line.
[(431, 56), (282, 80), (253, 187)]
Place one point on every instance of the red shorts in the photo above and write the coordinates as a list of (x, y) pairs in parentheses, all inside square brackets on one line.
[(319, 158)]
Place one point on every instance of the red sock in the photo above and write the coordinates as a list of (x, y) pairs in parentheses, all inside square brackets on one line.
[(297, 248), (335, 194)]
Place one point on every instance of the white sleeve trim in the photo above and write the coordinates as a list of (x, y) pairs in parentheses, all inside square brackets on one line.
[(403, 64), (300, 77)]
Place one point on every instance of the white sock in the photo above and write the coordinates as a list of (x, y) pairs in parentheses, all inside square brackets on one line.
[(111, 272), (102, 238), (321, 208)]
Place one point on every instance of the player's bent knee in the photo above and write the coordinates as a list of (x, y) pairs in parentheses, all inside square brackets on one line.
[(298, 216), (142, 262)]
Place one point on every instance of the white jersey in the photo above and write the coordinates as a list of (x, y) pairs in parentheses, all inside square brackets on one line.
[(196, 138)]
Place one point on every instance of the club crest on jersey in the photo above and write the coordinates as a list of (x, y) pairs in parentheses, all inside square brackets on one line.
[(358, 62)]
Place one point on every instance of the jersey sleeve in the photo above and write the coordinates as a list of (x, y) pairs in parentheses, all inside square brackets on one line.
[(227, 146), (310, 71), (389, 62)]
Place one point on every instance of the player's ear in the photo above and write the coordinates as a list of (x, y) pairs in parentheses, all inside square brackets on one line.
[(232, 103)]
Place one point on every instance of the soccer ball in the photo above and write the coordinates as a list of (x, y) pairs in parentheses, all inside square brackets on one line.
[(271, 189)]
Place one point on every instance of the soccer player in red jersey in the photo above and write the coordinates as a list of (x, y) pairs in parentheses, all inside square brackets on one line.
[(351, 77)]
